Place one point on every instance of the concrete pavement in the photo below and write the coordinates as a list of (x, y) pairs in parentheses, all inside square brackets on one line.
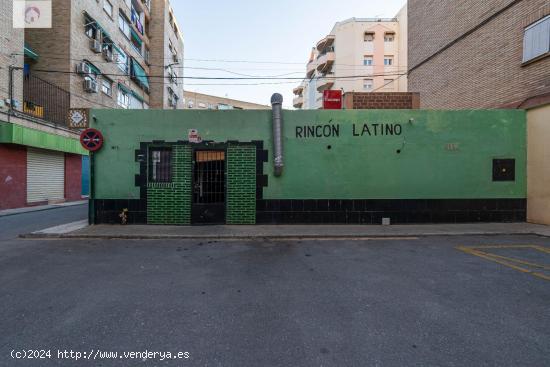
[(287, 231)]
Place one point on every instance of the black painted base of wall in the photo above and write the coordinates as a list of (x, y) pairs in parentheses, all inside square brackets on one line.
[(108, 211), (399, 211), (348, 211)]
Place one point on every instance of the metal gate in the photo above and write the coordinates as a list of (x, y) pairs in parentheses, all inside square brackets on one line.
[(209, 187), (45, 176)]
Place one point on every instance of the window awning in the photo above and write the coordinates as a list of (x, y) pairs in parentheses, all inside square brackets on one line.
[(94, 68), (136, 37), (91, 20), (30, 53), (124, 88), (139, 73), (137, 96), (115, 47)]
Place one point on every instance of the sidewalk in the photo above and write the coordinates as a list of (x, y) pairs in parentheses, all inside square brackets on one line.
[(30, 209), (79, 230)]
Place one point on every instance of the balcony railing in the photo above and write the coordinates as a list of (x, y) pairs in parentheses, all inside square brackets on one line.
[(311, 67), (44, 100), (326, 60)]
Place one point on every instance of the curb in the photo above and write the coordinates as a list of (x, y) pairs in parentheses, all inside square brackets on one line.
[(268, 237), (41, 209)]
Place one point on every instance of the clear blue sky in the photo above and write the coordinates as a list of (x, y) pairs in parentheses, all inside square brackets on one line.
[(261, 31)]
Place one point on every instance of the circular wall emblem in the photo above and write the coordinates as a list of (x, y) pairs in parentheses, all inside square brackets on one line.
[(32, 14), (91, 140)]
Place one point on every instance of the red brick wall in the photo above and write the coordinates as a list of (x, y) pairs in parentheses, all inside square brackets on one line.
[(482, 70), (382, 101), (73, 177), (13, 176)]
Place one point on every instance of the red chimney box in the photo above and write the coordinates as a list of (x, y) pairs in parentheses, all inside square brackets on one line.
[(332, 99)]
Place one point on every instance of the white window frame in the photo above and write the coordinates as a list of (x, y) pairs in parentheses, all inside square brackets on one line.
[(108, 8), (123, 99), (536, 40), (388, 60), (107, 84), (371, 83), (368, 34), (389, 37), (122, 61), (368, 60), (124, 25)]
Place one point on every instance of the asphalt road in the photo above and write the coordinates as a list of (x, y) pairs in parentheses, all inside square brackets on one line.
[(13, 225), (313, 303)]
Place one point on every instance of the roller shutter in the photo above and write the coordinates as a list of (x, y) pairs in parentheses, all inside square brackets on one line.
[(45, 176)]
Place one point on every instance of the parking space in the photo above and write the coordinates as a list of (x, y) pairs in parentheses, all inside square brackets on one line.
[(529, 259)]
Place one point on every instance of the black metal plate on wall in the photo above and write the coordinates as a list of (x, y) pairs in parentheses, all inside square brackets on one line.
[(504, 169)]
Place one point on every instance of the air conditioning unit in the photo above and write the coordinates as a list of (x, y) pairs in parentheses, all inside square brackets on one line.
[(95, 46), (83, 68), (90, 85), (108, 55)]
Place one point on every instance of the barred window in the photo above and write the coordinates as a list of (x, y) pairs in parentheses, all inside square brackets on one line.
[(160, 165)]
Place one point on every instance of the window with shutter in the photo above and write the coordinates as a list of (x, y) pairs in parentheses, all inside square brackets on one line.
[(536, 40)]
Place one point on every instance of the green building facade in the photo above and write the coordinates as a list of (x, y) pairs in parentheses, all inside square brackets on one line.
[(354, 166)]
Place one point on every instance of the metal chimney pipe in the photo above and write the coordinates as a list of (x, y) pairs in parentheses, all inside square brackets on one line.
[(277, 106)]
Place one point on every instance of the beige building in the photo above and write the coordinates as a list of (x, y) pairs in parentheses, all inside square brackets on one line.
[(105, 52), (358, 55), (194, 101), (488, 54)]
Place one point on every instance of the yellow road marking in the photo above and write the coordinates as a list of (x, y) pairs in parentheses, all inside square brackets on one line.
[(542, 248), (516, 260), (501, 259)]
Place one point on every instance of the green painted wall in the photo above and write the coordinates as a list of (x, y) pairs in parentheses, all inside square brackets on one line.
[(17, 134), (444, 154)]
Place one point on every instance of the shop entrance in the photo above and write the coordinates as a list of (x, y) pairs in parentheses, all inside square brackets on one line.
[(209, 187)]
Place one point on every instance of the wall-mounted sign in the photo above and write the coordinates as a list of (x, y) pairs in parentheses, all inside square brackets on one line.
[(193, 136), (358, 130), (91, 140), (332, 99), (78, 118)]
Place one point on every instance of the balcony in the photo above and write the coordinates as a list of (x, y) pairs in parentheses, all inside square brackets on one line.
[(311, 67), (328, 41), (324, 83), (325, 61), (298, 90), (298, 102)]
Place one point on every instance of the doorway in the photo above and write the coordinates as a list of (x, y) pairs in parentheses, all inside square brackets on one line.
[(209, 186)]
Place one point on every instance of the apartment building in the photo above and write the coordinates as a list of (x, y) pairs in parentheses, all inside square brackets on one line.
[(200, 101), (483, 54), (488, 54), (358, 55), (40, 162), (166, 49), (103, 52)]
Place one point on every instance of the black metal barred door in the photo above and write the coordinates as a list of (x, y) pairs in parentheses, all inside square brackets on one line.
[(208, 187)]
